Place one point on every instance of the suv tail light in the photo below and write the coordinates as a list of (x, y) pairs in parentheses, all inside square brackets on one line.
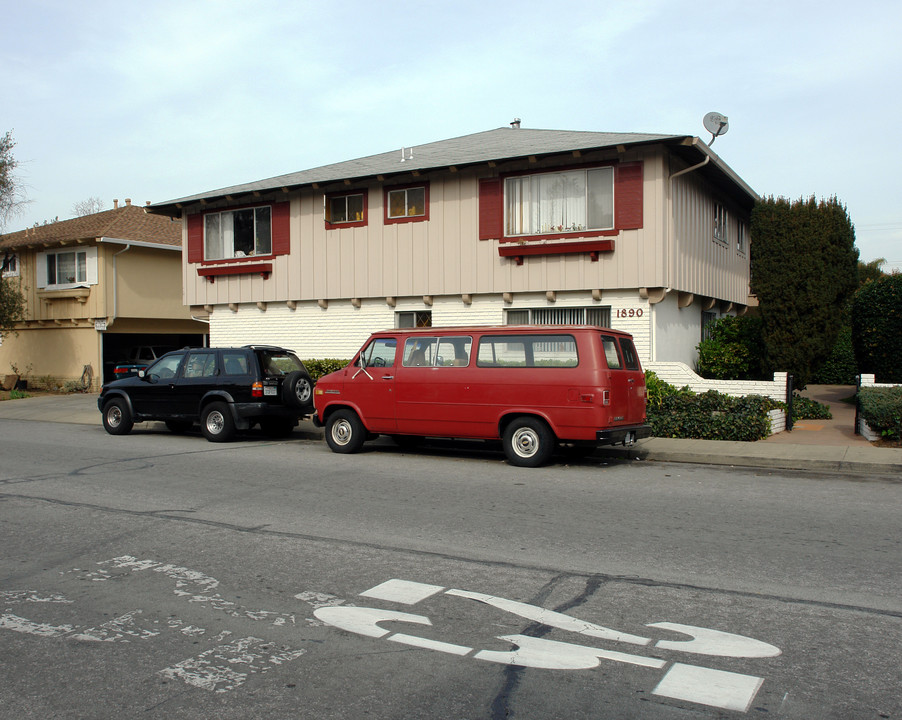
[(257, 389)]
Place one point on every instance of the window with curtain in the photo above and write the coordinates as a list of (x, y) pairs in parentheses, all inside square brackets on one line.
[(238, 233), (559, 202)]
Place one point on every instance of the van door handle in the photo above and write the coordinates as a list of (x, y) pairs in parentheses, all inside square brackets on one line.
[(632, 380), (388, 377)]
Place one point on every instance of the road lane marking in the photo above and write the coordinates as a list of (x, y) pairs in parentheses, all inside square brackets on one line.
[(706, 686), (551, 618), (405, 592), (553, 655), (22, 625), (714, 642), (228, 666)]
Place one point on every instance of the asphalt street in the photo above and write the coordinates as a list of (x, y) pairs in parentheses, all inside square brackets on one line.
[(162, 576)]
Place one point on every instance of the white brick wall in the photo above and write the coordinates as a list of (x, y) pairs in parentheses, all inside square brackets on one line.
[(679, 374)]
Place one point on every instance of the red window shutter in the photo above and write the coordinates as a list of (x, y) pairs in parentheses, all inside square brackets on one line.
[(195, 249), (628, 197), (281, 229), (491, 209)]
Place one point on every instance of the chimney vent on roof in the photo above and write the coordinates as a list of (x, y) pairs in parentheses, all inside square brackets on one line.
[(516, 124), (128, 201), (115, 203), (147, 202)]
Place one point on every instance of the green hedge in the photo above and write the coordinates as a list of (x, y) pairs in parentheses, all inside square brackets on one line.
[(882, 410), (680, 413), (318, 368)]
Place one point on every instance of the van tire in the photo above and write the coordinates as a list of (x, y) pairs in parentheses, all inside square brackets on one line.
[(528, 442), (344, 432)]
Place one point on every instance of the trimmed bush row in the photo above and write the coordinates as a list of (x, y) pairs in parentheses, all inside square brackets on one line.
[(882, 410), (680, 413)]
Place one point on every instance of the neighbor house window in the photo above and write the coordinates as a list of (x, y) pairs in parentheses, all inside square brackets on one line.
[(720, 222), (347, 210), (67, 268), (559, 202), (10, 266), (742, 242), (405, 204), (238, 233), (600, 316)]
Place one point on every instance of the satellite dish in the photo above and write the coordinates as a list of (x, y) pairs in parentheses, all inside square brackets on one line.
[(716, 124)]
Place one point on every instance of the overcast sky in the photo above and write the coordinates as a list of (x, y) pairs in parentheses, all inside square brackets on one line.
[(159, 100)]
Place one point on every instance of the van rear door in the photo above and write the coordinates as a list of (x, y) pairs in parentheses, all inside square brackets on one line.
[(627, 401)]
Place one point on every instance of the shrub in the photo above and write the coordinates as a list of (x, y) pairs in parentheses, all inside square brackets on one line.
[(656, 389), (807, 409), (733, 350), (318, 368), (18, 394), (712, 416), (882, 410), (840, 368), (876, 309)]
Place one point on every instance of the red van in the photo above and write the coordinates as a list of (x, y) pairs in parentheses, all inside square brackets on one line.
[(531, 386)]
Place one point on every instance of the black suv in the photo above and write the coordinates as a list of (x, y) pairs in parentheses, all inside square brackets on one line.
[(225, 389)]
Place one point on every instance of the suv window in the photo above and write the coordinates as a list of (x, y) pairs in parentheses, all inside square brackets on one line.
[(278, 362), (199, 365), (234, 363), (166, 367)]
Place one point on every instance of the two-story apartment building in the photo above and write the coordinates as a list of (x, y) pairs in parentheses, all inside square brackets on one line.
[(645, 233), (95, 286)]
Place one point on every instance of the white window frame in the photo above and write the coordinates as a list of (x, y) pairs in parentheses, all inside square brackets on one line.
[(532, 208), (720, 222), (222, 247), (12, 265), (88, 277)]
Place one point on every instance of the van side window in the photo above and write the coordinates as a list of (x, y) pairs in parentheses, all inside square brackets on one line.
[(611, 353), (630, 358), (379, 353), (453, 351), (527, 351), (419, 351)]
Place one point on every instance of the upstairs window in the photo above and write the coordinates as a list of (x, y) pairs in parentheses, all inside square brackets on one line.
[(10, 266), (720, 222), (572, 201), (67, 268), (238, 233), (406, 204), (345, 210)]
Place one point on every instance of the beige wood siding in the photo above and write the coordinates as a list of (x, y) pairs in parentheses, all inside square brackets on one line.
[(441, 256), (701, 264)]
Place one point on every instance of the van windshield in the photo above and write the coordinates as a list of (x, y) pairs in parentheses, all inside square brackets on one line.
[(527, 351)]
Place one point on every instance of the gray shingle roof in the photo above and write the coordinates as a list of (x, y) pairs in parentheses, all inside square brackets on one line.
[(499, 144)]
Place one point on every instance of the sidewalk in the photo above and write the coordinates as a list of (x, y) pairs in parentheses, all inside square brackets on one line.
[(821, 445)]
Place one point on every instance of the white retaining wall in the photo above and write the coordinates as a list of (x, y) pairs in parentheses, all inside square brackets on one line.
[(679, 374)]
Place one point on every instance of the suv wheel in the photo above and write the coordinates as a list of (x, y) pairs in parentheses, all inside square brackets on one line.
[(297, 390), (117, 420), (344, 432), (216, 422)]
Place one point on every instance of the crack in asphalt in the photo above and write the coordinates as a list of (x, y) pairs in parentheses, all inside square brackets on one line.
[(555, 573)]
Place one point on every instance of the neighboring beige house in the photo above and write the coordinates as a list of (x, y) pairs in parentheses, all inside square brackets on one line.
[(94, 287), (644, 233)]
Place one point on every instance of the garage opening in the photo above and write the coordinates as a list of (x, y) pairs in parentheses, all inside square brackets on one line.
[(121, 347)]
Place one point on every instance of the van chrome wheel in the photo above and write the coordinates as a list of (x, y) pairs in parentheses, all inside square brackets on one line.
[(344, 432), (528, 442)]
